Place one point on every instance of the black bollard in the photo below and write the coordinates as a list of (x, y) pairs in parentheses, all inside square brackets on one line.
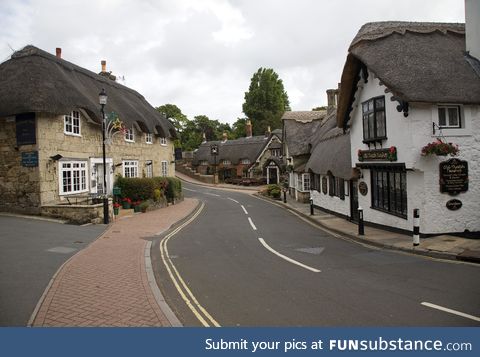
[(311, 206), (361, 228)]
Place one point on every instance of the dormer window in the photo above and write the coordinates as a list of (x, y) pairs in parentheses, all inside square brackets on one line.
[(245, 161), (449, 116), (72, 123), (163, 141), (374, 127), (129, 136), (226, 162)]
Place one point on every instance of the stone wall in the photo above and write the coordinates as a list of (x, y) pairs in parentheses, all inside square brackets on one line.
[(77, 214), (19, 186)]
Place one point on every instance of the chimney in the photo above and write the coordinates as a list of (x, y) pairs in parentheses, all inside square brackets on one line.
[(204, 138), (248, 128), (472, 27), (224, 137), (104, 66), (268, 132), (58, 52), (331, 99)]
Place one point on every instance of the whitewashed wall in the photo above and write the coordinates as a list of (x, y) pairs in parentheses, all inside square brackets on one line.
[(409, 135), (332, 203)]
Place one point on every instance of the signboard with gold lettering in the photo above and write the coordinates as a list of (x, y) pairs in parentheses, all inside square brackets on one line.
[(389, 154), (453, 176)]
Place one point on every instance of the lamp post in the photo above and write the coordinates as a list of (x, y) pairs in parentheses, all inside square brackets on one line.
[(102, 98)]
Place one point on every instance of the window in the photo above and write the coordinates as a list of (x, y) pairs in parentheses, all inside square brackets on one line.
[(389, 190), (245, 162), (149, 168), (73, 177), (449, 116), (163, 141), (130, 168), (164, 168), (336, 186), (306, 182), (72, 123), (276, 152), (226, 162), (129, 135), (149, 138), (203, 163), (315, 182), (374, 127)]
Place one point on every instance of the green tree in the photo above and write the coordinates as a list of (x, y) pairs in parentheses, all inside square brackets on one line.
[(177, 118), (316, 109), (238, 128), (265, 101)]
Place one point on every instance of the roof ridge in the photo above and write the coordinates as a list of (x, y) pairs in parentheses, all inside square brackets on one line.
[(376, 30)]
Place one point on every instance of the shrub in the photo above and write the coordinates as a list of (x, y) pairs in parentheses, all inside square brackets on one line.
[(142, 189), (275, 193), (272, 187), (174, 189), (157, 194)]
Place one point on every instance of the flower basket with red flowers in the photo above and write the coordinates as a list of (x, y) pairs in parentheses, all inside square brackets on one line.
[(126, 202), (438, 147), (116, 208), (136, 206)]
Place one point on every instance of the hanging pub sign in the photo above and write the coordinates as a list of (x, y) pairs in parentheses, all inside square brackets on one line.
[(453, 176), (389, 154)]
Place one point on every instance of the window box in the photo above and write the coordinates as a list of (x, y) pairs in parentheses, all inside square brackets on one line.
[(440, 148)]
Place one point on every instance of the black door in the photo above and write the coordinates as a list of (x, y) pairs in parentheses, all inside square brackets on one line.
[(354, 200), (272, 175)]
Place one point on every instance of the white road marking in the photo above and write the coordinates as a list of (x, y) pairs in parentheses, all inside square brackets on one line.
[(180, 284), (287, 258), (251, 223), (231, 199), (244, 210), (455, 312), (212, 194)]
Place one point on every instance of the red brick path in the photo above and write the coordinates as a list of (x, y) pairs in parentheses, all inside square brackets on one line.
[(106, 283)]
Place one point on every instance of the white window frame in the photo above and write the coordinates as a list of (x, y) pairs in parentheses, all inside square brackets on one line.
[(245, 161), (149, 168), (306, 182), (71, 123), (149, 138), (130, 168), (447, 124), (226, 162), (163, 141), (73, 176), (164, 168), (203, 163), (275, 152), (130, 135)]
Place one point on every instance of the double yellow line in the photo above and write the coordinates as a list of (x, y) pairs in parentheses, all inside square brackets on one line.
[(198, 310)]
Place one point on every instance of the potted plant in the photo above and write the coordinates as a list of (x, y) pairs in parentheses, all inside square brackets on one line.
[(136, 206), (438, 147), (143, 206), (116, 208), (126, 202)]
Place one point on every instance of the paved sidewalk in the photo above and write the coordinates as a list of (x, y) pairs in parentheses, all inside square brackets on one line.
[(106, 284), (444, 246)]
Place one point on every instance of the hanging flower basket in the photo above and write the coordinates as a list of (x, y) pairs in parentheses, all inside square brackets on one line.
[(440, 148)]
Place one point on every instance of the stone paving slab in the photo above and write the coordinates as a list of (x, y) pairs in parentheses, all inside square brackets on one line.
[(106, 284)]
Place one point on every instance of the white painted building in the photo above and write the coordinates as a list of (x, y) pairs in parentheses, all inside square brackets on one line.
[(405, 85)]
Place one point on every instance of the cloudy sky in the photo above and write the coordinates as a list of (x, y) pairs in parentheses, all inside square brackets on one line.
[(201, 54)]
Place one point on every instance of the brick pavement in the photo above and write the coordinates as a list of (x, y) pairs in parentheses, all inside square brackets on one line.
[(106, 283)]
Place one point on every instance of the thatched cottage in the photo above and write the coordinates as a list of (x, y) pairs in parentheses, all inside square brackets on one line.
[(410, 96), (51, 133)]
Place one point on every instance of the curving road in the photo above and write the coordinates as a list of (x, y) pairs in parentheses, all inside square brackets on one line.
[(245, 262)]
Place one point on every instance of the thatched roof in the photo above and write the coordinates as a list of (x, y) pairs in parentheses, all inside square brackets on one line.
[(417, 62), (36, 81), (298, 129), (331, 150), (233, 150)]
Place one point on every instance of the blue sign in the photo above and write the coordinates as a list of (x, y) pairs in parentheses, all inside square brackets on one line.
[(30, 159)]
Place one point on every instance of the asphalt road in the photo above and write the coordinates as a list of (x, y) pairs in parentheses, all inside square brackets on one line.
[(31, 251), (300, 275)]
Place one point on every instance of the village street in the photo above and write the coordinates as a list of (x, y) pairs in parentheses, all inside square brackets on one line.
[(245, 262)]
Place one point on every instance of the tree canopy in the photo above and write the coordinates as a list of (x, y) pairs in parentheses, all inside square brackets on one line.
[(265, 101)]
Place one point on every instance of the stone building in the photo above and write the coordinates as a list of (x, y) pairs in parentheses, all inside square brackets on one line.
[(407, 91), (51, 133), (242, 158)]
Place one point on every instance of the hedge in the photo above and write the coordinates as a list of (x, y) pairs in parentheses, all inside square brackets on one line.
[(144, 188)]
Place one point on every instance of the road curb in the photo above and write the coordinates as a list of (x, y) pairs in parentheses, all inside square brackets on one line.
[(245, 188), (356, 238)]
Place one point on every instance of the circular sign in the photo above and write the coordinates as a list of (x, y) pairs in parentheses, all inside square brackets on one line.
[(363, 188), (454, 204)]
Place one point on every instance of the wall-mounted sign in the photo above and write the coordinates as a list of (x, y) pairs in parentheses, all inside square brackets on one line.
[(25, 129), (454, 204), (363, 188), (30, 159), (389, 154), (453, 176)]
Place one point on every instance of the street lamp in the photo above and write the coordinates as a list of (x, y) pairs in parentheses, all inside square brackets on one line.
[(102, 98)]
